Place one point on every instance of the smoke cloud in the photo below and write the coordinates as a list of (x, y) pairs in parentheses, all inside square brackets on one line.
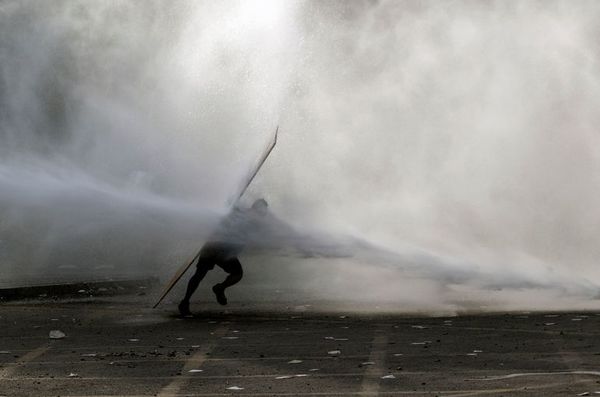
[(435, 155)]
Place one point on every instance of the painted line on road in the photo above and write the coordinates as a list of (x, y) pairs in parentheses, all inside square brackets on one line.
[(371, 377), (195, 361), (8, 371)]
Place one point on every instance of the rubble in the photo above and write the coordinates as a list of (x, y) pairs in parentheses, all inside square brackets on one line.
[(56, 334), (291, 376)]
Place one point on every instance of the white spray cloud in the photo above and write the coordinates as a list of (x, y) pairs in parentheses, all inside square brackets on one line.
[(460, 136)]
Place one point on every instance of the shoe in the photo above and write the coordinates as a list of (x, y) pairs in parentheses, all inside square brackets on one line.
[(220, 294), (184, 309)]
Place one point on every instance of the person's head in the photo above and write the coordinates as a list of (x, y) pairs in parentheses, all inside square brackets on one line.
[(260, 206)]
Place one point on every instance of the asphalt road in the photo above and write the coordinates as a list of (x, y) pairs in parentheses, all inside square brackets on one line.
[(125, 348)]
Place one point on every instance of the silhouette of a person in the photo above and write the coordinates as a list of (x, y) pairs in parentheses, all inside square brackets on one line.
[(223, 249)]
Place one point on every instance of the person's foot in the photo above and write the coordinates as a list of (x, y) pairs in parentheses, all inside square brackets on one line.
[(184, 309), (220, 294)]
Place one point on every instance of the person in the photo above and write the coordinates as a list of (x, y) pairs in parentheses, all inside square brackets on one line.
[(223, 249)]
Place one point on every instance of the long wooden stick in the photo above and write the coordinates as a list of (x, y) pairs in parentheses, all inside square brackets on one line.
[(258, 166), (181, 271)]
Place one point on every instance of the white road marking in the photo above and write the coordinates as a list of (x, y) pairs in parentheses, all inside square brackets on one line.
[(195, 361), (8, 371), (370, 384)]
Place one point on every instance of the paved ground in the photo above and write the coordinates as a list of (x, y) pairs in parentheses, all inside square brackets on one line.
[(115, 348)]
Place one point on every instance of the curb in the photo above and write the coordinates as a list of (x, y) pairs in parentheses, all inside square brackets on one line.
[(79, 289)]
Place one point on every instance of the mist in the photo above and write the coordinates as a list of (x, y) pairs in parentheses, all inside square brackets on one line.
[(434, 155)]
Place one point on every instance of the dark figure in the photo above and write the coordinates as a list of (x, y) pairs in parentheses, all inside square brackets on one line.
[(223, 249)]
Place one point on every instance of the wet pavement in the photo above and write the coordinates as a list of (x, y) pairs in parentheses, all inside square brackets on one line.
[(112, 348)]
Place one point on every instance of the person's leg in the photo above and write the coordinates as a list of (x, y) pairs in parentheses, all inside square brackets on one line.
[(204, 265), (234, 268)]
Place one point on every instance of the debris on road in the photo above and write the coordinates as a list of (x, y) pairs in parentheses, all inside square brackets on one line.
[(291, 376), (56, 334)]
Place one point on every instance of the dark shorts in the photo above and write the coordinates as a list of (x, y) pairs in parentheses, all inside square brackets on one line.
[(221, 254)]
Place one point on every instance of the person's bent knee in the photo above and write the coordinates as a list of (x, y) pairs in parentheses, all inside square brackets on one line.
[(237, 274)]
